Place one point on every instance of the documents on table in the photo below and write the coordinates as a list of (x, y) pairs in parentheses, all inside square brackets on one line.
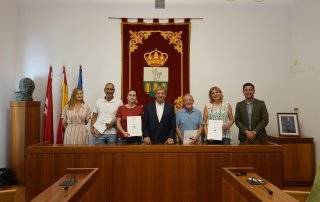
[(188, 135), (215, 130), (134, 125)]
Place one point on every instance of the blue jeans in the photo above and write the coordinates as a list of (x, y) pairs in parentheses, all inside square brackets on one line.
[(106, 139)]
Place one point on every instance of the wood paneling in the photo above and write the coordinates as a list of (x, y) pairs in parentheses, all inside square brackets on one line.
[(298, 160), (24, 131), (236, 188), (151, 173)]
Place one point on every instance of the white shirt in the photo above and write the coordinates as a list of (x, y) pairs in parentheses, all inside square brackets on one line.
[(159, 108), (106, 111)]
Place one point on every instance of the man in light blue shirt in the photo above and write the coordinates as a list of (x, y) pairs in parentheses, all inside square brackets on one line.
[(189, 119)]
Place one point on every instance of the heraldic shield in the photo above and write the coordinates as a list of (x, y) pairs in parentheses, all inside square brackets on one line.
[(155, 76)]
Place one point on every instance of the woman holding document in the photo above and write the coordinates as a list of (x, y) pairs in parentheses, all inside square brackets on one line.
[(75, 116), (217, 118), (129, 123)]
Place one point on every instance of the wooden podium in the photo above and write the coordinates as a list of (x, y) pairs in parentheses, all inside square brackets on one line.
[(82, 178), (298, 153), (24, 132), (236, 188)]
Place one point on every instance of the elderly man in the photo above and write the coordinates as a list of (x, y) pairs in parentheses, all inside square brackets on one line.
[(251, 117), (189, 119), (159, 121)]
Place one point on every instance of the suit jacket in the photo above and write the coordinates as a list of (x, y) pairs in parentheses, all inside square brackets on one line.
[(158, 132), (259, 119)]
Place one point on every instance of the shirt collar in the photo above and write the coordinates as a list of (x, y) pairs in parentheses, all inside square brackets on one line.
[(111, 101), (187, 111), (157, 104)]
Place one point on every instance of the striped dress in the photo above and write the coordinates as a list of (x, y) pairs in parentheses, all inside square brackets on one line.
[(76, 132)]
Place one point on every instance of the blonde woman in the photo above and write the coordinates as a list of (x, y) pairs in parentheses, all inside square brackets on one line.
[(217, 109), (75, 116)]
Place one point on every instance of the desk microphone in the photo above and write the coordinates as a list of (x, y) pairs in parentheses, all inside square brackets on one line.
[(268, 190)]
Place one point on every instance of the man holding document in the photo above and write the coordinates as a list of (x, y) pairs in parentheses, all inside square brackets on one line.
[(159, 123), (189, 122), (103, 122), (129, 122)]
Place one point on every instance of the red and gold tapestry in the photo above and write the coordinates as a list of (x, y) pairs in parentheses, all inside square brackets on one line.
[(155, 55)]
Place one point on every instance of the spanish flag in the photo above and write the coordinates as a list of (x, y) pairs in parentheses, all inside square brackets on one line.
[(64, 102)]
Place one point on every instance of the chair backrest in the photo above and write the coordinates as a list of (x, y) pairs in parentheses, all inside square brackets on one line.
[(315, 190)]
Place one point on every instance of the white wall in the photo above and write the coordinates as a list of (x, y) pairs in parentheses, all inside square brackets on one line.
[(7, 68), (305, 71), (235, 43)]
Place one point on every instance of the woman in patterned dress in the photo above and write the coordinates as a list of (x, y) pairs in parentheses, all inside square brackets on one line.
[(75, 116), (217, 109)]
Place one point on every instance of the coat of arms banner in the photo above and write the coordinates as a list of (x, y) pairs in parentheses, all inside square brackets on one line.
[(155, 55)]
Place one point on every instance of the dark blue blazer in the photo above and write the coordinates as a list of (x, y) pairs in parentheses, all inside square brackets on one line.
[(159, 132)]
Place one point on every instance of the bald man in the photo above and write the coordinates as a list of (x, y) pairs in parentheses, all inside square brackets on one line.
[(189, 118)]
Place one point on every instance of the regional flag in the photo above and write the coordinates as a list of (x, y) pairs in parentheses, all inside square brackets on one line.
[(64, 102), (47, 134)]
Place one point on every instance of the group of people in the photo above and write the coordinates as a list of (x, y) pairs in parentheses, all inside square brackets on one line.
[(160, 123)]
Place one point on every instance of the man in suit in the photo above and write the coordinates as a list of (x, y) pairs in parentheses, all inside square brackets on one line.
[(251, 117), (159, 121)]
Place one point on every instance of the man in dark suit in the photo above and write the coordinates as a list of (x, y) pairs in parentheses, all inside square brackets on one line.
[(251, 117), (159, 121)]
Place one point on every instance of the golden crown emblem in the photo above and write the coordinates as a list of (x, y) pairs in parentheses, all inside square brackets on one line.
[(156, 58)]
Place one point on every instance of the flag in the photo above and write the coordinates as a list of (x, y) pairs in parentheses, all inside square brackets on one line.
[(47, 135), (64, 102), (80, 78)]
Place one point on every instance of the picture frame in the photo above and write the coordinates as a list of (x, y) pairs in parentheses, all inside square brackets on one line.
[(288, 124)]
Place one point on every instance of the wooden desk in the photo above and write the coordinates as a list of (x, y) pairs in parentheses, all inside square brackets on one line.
[(151, 172), (298, 160), (237, 189), (8, 195), (84, 177)]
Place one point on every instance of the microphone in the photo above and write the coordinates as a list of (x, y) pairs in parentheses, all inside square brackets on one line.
[(268, 190), (255, 181)]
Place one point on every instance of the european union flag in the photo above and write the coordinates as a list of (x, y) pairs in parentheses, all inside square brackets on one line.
[(80, 78)]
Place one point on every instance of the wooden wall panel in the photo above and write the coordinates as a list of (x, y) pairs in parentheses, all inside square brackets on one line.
[(298, 160), (152, 173)]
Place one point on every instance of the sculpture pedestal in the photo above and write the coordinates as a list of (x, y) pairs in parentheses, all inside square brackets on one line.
[(24, 132)]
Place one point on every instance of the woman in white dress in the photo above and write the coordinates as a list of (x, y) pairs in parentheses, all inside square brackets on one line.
[(217, 109), (75, 117)]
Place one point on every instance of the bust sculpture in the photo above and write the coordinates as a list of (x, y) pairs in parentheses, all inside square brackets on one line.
[(26, 88)]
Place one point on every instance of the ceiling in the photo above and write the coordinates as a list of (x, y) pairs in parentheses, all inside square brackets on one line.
[(166, 1)]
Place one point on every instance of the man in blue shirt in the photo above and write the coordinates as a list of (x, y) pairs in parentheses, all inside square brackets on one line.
[(188, 120)]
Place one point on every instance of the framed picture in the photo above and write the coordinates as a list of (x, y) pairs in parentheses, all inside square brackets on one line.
[(288, 124)]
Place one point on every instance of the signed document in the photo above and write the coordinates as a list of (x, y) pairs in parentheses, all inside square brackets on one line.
[(188, 134), (100, 124), (134, 125), (215, 130)]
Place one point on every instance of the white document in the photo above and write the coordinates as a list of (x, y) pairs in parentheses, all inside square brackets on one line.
[(134, 125), (188, 134), (100, 124), (215, 130)]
